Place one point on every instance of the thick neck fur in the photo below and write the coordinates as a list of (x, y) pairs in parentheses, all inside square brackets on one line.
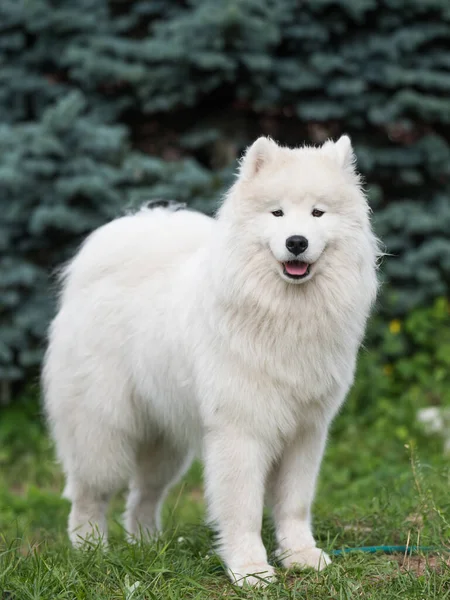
[(328, 312)]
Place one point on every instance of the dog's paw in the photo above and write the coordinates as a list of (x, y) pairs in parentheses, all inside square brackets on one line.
[(312, 558), (252, 575)]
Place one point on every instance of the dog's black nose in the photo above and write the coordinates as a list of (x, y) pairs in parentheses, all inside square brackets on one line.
[(296, 244)]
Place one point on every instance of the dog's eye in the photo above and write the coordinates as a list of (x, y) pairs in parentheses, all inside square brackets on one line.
[(317, 213), (278, 213)]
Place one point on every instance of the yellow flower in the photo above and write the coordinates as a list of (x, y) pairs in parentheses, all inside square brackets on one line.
[(388, 370), (395, 326)]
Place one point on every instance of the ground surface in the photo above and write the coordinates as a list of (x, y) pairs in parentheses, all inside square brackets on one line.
[(374, 489)]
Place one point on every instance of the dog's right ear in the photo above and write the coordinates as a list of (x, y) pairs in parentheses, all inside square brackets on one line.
[(257, 156)]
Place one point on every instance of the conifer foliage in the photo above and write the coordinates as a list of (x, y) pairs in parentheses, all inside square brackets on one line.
[(104, 105)]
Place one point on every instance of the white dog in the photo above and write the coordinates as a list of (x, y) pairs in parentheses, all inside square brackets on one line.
[(234, 337)]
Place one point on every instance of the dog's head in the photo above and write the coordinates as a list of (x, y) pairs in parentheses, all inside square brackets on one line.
[(297, 204)]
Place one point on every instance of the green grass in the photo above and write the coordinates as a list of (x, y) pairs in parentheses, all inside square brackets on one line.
[(374, 489)]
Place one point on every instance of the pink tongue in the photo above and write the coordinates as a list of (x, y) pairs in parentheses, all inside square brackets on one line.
[(296, 268)]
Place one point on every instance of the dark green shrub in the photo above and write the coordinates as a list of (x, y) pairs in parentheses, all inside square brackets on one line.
[(406, 369)]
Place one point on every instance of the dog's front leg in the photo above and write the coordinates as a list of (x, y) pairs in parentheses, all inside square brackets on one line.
[(291, 493), (235, 472)]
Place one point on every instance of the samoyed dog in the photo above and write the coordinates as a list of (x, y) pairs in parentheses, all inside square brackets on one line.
[(233, 338)]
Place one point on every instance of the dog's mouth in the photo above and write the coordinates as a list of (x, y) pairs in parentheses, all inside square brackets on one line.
[(296, 269)]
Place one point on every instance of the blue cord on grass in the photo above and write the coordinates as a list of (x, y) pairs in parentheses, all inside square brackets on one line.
[(375, 549), (387, 549)]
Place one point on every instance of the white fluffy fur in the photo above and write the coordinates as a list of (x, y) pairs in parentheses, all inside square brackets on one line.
[(179, 334)]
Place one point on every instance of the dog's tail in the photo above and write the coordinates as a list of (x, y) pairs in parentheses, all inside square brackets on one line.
[(172, 205)]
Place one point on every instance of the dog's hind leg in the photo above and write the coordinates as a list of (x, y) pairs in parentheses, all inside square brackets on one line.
[(87, 520), (100, 471), (159, 464)]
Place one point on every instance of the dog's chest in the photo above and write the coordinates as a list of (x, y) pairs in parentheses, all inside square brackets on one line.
[(309, 356)]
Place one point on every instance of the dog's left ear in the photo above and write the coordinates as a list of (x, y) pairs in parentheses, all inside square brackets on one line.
[(342, 153), (257, 156)]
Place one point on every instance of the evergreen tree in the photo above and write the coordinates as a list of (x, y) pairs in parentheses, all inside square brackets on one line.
[(104, 105)]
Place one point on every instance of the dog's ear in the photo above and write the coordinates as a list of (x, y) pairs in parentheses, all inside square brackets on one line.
[(342, 153), (259, 154)]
